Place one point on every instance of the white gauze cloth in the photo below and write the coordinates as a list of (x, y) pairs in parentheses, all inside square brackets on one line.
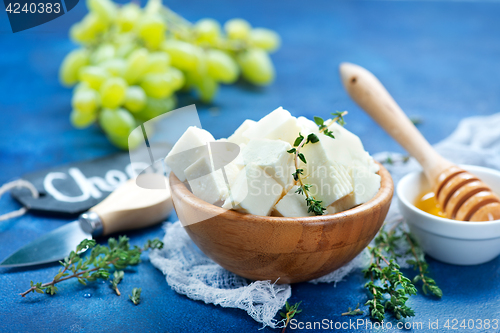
[(189, 272)]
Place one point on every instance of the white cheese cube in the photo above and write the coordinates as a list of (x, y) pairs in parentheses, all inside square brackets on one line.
[(292, 204), (342, 204), (237, 136), (307, 126), (366, 184), (330, 180), (366, 160), (337, 149), (208, 185), (277, 125), (190, 147), (347, 141), (239, 159), (253, 192), (223, 152), (272, 156)]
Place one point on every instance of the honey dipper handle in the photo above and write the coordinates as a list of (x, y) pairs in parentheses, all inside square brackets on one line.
[(367, 91)]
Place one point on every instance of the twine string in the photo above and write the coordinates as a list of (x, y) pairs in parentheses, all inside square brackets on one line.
[(17, 184)]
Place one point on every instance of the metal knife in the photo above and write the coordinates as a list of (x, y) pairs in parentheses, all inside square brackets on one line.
[(128, 207)]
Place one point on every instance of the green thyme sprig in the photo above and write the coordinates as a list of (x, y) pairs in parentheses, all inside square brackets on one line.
[(97, 264), (350, 312), (314, 206), (428, 284), (390, 160), (388, 279), (291, 311), (117, 278), (392, 282), (416, 120), (136, 296)]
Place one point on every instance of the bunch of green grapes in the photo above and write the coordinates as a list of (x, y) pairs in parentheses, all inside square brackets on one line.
[(133, 60)]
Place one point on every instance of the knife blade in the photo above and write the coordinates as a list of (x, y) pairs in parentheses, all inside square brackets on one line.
[(50, 247), (128, 207)]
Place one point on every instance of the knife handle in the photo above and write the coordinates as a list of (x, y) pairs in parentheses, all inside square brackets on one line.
[(130, 207)]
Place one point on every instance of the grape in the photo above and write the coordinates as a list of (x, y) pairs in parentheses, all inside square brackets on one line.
[(130, 141), (113, 92), (85, 100), (152, 30), (79, 34), (237, 29), (137, 63), (104, 52), (118, 122), (155, 107), (158, 62), (135, 99), (158, 85), (182, 54), (71, 65), (94, 76), (207, 88), (81, 119), (115, 67), (125, 50), (87, 30), (201, 62), (177, 78), (256, 66), (81, 86), (106, 10), (221, 67), (128, 15), (207, 30), (265, 39)]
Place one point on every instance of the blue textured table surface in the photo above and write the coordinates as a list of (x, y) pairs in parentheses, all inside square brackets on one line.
[(440, 60)]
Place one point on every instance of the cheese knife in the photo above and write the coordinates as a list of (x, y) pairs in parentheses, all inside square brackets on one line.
[(128, 207)]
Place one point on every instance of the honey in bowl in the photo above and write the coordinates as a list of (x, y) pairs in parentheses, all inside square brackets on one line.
[(428, 203)]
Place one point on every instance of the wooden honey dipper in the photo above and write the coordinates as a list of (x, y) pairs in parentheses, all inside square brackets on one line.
[(461, 195)]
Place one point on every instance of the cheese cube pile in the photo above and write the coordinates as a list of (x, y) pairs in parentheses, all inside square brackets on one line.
[(258, 180)]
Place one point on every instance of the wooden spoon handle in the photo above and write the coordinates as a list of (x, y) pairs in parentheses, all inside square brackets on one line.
[(367, 91), (133, 207)]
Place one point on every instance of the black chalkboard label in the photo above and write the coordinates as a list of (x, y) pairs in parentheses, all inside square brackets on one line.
[(26, 14), (74, 188)]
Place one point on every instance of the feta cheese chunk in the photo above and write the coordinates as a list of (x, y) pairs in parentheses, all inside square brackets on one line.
[(307, 126), (365, 160), (330, 180), (223, 152), (208, 185), (278, 125), (237, 136), (348, 141), (366, 184), (338, 148), (292, 204), (190, 147), (239, 159), (273, 158), (342, 204), (253, 192)]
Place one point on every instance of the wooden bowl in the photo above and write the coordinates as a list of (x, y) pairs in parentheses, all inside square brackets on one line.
[(286, 249)]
